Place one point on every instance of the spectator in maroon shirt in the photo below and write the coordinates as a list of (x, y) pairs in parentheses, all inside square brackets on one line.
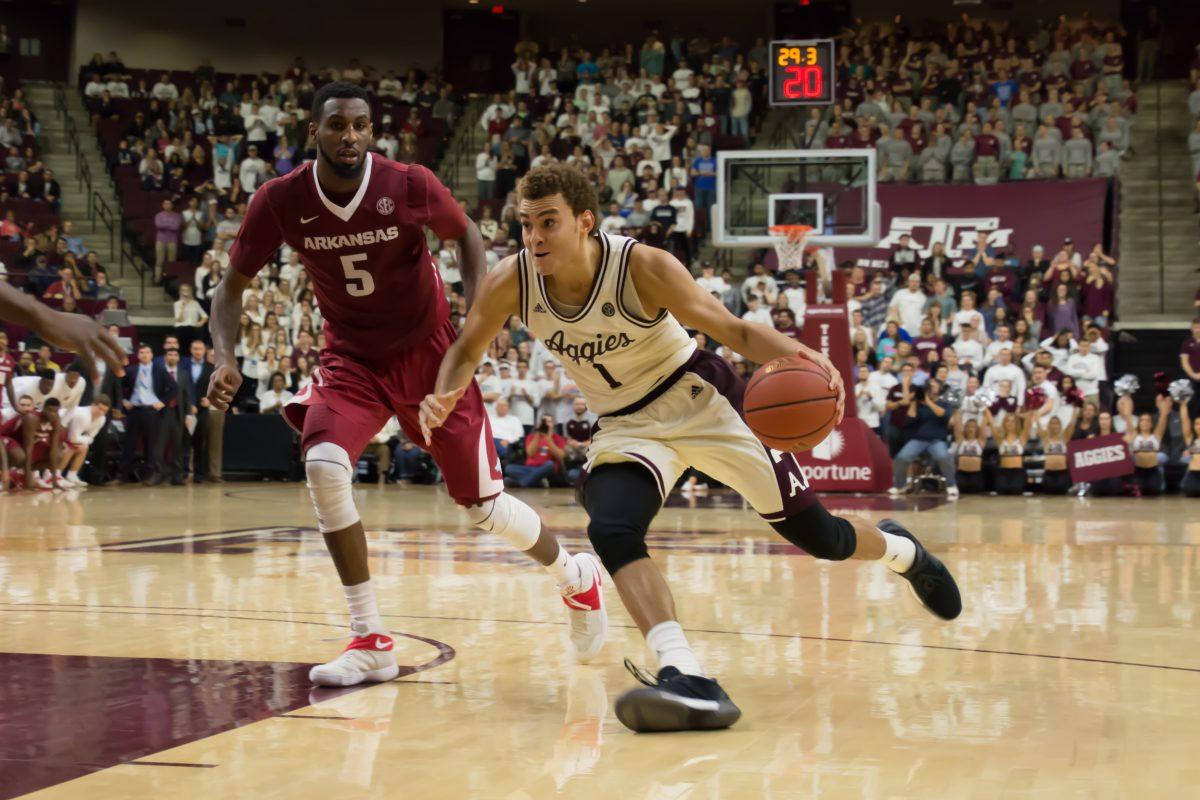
[(1189, 361), (784, 320), (987, 156), (1000, 276), (928, 345)]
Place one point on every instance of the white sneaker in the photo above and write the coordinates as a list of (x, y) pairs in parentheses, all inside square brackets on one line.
[(589, 619), (366, 658), (952, 493), (42, 483), (65, 482), (79, 482), (894, 492)]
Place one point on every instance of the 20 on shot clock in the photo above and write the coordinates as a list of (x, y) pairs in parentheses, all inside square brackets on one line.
[(802, 72)]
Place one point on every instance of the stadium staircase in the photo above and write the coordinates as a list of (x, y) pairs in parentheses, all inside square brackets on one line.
[(1158, 238), (457, 167), (89, 198)]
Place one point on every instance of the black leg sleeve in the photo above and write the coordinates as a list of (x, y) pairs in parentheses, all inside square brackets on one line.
[(621, 501)]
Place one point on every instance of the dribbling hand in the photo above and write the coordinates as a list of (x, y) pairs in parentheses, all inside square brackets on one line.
[(223, 386), (836, 385), (434, 410)]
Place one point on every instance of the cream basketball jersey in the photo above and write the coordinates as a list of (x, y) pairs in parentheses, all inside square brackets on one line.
[(613, 352)]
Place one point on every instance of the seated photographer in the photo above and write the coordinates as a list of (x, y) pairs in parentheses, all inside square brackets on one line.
[(929, 420), (544, 452)]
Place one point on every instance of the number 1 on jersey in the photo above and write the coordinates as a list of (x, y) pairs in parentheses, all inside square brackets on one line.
[(613, 383), (359, 282)]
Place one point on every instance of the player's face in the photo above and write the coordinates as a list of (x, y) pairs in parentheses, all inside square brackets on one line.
[(552, 233), (343, 134)]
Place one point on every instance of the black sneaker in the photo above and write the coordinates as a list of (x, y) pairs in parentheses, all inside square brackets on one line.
[(930, 581), (675, 702)]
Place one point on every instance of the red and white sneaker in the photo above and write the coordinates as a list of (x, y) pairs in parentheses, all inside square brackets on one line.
[(368, 657), (41, 483), (589, 619)]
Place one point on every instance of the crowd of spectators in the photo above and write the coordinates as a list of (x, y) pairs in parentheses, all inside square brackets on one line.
[(643, 123), (981, 101), (1193, 139)]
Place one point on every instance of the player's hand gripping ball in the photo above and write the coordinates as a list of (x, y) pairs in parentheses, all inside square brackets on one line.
[(789, 404)]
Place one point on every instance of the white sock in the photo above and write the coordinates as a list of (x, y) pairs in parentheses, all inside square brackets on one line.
[(364, 613), (667, 641), (72, 475), (566, 572), (900, 553)]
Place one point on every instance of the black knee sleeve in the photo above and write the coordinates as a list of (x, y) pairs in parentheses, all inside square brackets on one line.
[(621, 501), (818, 533)]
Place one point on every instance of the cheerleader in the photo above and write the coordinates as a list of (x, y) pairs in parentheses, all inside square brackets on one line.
[(1145, 442), (1057, 479), (1106, 487), (968, 452), (1191, 435), (1010, 438)]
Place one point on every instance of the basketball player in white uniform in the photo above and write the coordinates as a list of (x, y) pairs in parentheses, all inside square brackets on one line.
[(614, 312)]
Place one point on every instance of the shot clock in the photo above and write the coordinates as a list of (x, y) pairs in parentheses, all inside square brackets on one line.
[(802, 72)]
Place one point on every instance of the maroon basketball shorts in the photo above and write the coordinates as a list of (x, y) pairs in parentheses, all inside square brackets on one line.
[(350, 399)]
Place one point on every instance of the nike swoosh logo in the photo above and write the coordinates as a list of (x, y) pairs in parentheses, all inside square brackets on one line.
[(382, 643), (304, 221)]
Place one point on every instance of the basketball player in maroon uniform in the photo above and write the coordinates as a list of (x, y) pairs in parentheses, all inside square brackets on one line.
[(34, 439), (357, 220)]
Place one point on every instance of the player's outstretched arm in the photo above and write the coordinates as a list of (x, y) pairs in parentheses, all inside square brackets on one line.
[(496, 301), (223, 324), (662, 282), (73, 332)]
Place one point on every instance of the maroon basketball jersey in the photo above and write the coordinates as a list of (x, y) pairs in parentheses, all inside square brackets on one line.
[(375, 281)]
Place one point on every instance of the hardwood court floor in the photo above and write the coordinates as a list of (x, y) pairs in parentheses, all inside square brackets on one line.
[(156, 642)]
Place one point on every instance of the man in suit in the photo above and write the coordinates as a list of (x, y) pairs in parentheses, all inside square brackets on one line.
[(108, 384), (145, 386), (193, 379), (171, 419)]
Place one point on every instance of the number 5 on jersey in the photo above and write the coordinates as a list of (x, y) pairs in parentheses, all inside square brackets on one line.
[(359, 282)]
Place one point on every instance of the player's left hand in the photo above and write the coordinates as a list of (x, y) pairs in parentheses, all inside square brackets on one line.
[(836, 385), (434, 410)]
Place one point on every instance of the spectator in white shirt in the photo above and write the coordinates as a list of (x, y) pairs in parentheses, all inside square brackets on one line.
[(188, 313), (685, 220), (710, 281), (1005, 370), (755, 313), (968, 314), (82, 425), (448, 266), (910, 303), (489, 385), (1003, 341), (524, 395), (485, 172), (968, 348), (252, 172), (1087, 369), (164, 90), (613, 222), (507, 430), (523, 72), (1042, 415), (498, 108), (227, 230), (275, 397)]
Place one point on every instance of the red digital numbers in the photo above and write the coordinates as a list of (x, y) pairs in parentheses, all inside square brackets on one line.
[(804, 83)]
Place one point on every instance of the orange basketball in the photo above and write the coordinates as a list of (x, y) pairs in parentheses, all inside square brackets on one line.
[(789, 405)]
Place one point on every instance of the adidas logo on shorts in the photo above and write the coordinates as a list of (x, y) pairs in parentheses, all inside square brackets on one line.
[(537, 309)]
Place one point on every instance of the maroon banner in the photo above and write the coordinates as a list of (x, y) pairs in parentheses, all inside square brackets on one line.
[(1015, 215), (851, 459), (827, 330), (1099, 457)]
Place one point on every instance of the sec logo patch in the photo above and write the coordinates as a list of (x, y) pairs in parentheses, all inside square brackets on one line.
[(607, 310), (385, 205)]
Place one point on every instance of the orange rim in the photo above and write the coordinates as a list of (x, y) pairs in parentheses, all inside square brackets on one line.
[(793, 233)]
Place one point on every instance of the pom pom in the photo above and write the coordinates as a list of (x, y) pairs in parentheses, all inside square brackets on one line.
[(1008, 404), (1035, 398), (982, 399), (1126, 384), (953, 396), (1181, 390), (1074, 396), (1161, 383)]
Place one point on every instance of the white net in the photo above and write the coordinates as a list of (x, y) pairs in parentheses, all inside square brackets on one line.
[(789, 245)]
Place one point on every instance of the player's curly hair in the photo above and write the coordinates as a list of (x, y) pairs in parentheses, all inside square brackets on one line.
[(573, 185)]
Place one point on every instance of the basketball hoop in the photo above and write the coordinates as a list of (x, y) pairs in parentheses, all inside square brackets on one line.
[(789, 245)]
